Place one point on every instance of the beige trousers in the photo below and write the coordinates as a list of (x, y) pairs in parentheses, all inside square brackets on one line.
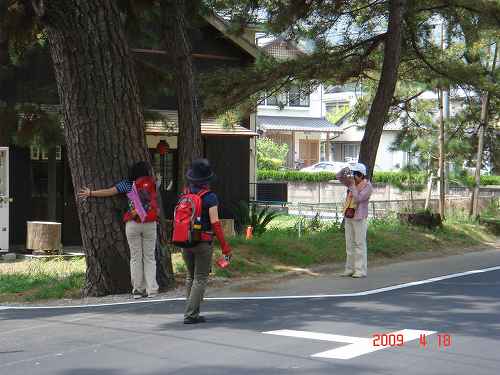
[(141, 239), (355, 243)]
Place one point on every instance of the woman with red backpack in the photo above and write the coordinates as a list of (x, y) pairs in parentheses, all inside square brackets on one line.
[(196, 221), (140, 225)]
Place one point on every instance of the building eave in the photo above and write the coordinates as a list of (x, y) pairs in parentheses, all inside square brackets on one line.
[(221, 25)]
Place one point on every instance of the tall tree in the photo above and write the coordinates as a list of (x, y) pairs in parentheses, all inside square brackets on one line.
[(103, 124), (345, 36), (176, 15), (485, 104), (386, 86)]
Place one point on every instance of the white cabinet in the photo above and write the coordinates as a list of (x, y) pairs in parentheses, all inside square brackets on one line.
[(4, 199)]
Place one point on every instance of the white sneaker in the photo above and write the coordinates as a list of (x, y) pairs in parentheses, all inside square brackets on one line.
[(358, 275), (347, 274)]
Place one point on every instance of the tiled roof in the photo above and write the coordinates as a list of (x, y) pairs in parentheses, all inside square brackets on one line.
[(345, 122), (283, 49), (296, 123)]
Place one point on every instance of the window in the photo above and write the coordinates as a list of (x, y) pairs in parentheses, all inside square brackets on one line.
[(277, 100), (164, 168), (45, 154), (333, 152), (335, 107), (296, 97), (348, 87), (38, 153), (351, 152), (35, 153)]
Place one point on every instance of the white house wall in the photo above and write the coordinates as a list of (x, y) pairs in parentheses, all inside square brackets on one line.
[(386, 158)]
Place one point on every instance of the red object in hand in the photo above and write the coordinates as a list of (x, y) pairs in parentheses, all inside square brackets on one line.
[(217, 228), (223, 262)]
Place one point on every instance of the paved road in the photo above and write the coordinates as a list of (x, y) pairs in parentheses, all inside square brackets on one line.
[(150, 339)]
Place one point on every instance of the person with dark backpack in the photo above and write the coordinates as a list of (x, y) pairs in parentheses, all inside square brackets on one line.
[(196, 221), (140, 225)]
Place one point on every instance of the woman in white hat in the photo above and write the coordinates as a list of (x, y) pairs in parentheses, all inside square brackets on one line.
[(359, 190)]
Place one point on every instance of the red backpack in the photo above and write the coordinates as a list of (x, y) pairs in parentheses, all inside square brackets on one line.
[(144, 194), (187, 219)]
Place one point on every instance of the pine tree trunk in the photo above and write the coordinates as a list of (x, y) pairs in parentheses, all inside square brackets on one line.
[(176, 40), (52, 185), (103, 125), (164, 267), (485, 101), (386, 86)]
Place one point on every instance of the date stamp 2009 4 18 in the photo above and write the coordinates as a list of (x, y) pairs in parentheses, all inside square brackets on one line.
[(392, 339)]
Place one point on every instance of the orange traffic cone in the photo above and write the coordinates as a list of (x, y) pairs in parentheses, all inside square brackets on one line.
[(249, 233)]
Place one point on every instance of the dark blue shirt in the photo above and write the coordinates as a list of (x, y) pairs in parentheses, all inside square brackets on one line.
[(209, 200), (124, 186)]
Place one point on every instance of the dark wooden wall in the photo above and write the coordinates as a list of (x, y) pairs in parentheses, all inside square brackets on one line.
[(20, 191), (230, 158), (30, 201)]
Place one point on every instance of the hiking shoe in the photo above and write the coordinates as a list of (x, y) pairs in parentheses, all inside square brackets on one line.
[(358, 275), (199, 319), (137, 294)]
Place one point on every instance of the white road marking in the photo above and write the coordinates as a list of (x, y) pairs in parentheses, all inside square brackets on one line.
[(357, 345), (316, 336), (256, 298)]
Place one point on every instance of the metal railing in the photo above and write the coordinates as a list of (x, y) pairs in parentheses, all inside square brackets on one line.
[(335, 210)]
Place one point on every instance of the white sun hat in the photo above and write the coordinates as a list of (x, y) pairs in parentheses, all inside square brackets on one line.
[(358, 167)]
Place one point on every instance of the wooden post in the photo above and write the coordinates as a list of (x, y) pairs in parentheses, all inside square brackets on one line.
[(327, 147), (228, 227), (44, 236)]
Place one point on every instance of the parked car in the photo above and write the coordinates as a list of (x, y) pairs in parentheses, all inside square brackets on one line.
[(325, 166)]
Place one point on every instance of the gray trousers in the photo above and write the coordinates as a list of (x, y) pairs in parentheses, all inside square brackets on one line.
[(198, 261)]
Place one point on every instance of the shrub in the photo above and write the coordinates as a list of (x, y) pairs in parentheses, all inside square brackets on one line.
[(270, 155), (248, 214), (270, 163)]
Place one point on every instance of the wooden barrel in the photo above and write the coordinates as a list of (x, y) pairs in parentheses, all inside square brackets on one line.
[(44, 236)]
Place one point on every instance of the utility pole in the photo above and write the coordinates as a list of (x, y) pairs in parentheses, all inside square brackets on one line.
[(441, 155), (441, 100)]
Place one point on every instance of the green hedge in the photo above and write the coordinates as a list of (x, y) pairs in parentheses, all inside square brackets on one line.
[(265, 174), (487, 180), (392, 178)]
